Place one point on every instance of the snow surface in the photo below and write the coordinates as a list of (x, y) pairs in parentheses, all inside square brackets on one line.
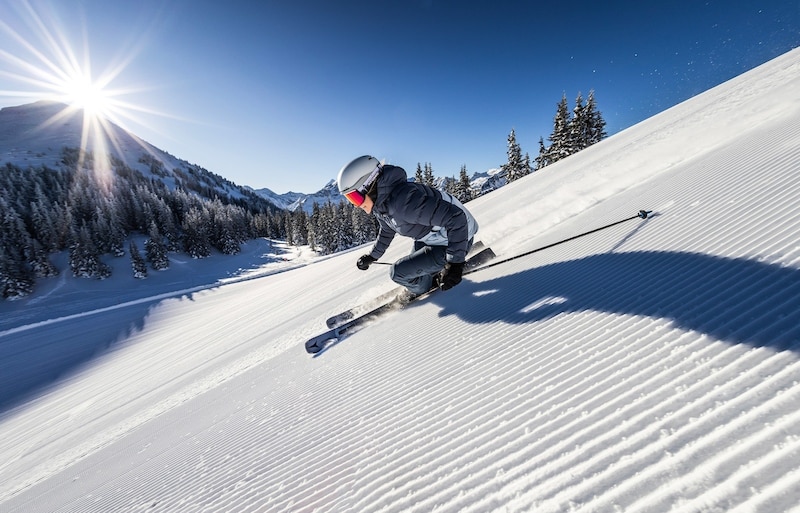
[(653, 366)]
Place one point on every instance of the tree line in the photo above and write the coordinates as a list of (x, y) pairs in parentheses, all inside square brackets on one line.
[(44, 211)]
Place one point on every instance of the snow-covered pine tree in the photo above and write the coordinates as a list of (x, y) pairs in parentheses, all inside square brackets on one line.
[(577, 129), (196, 226), (15, 280), (84, 257), (43, 221), (559, 138), (526, 165), (515, 167), (364, 229), (463, 188), (300, 227), (345, 237), (16, 277), (542, 159), (325, 230), (155, 250), (107, 231), (448, 184), (313, 226), (427, 175), (137, 262), (40, 262), (595, 124)]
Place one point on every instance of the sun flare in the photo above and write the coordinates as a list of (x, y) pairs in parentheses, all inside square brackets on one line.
[(47, 66), (81, 92)]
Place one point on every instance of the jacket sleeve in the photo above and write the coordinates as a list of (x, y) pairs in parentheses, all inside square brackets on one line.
[(454, 220), (385, 236)]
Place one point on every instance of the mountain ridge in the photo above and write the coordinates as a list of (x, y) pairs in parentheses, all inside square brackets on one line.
[(37, 134)]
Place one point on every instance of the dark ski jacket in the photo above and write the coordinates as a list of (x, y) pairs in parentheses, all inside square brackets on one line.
[(423, 213)]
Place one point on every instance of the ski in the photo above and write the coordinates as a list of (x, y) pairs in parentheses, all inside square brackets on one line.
[(482, 256), (334, 335), (325, 340)]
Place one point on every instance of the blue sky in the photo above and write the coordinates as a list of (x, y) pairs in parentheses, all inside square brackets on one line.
[(281, 94)]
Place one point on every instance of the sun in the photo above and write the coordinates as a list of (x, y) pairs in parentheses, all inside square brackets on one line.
[(80, 92)]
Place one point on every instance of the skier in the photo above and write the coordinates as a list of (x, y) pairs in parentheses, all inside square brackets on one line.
[(442, 228)]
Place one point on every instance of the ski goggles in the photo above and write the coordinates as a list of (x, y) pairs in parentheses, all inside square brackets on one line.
[(358, 195)]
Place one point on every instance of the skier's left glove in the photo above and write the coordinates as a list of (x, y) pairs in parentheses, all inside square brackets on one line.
[(451, 276), (365, 261)]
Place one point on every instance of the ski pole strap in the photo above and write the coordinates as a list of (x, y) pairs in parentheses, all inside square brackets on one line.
[(642, 214)]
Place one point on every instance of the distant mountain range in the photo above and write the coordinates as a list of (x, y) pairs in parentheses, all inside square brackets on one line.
[(481, 184), (36, 134)]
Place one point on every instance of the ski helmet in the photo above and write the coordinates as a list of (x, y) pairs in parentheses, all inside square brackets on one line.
[(356, 178)]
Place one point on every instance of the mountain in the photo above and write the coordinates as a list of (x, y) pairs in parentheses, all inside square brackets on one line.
[(36, 134), (652, 366), (481, 183), (294, 200)]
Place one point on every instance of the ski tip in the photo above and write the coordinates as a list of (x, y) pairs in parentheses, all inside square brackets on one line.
[(316, 345)]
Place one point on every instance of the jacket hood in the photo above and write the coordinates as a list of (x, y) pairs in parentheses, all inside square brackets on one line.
[(389, 178)]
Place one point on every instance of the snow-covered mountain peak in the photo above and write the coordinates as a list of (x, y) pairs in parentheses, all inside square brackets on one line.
[(37, 134)]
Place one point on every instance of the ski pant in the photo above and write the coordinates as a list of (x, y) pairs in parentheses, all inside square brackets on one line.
[(416, 270)]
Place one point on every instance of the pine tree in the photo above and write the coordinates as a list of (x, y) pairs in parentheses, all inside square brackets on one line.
[(526, 165), (300, 227), (576, 131), (15, 280), (155, 250), (345, 238), (464, 186), (16, 277), (195, 230), (418, 176), (84, 257), (595, 124), (40, 263), (326, 233), (313, 226), (43, 221), (559, 139), (427, 176), (287, 223), (448, 185), (542, 159), (515, 167), (137, 262)]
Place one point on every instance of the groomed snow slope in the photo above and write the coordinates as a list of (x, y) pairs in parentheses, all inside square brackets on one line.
[(653, 366)]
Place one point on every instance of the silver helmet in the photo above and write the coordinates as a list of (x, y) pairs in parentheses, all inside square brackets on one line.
[(356, 178)]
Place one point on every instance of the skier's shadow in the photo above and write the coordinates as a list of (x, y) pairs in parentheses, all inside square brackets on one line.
[(735, 300)]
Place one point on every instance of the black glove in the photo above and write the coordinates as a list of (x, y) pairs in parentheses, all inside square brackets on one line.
[(364, 261), (451, 276)]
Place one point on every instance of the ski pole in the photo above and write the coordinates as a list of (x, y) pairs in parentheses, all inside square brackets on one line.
[(642, 214)]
